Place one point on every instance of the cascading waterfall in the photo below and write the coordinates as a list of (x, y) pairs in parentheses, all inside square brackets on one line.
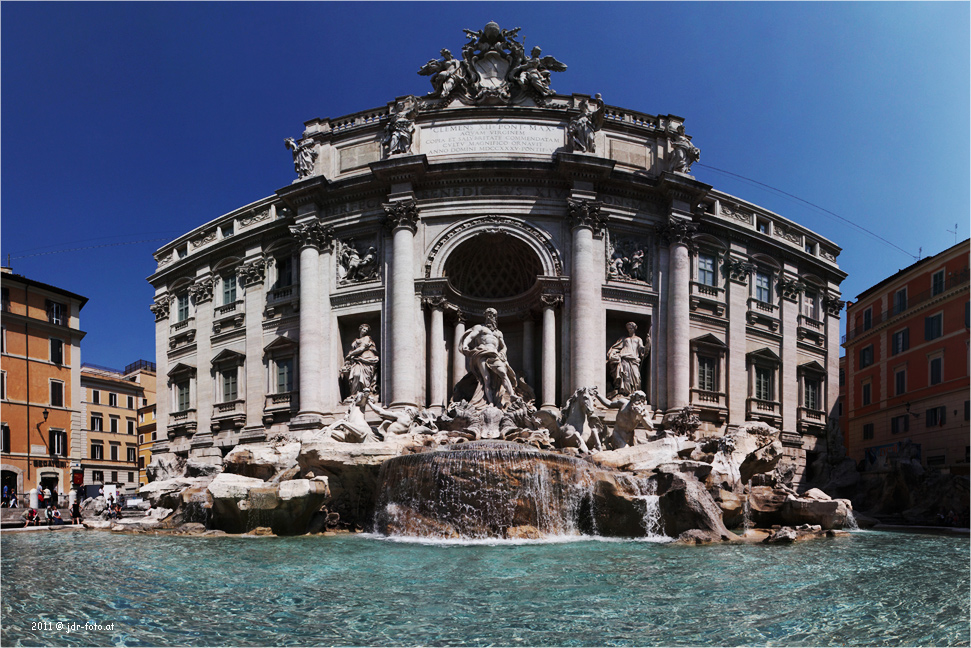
[(747, 508), (652, 510), (851, 523), (486, 489)]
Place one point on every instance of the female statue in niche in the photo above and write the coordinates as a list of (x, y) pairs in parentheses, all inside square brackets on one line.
[(624, 361), (361, 363)]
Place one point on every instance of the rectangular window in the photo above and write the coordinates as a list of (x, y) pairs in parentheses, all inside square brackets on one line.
[(182, 396), (809, 247), (867, 319), (57, 351), (284, 272), (112, 400), (762, 284), (935, 416), (131, 426), (900, 341), (866, 356), (58, 442), (866, 394), (3, 385), (936, 370), (230, 392), (114, 424), (182, 302), (131, 476), (284, 375), (900, 424), (706, 269), (842, 377), (763, 384), (57, 393), (98, 476), (900, 301), (706, 374), (937, 282), (95, 396), (131, 455), (56, 313), (809, 305), (229, 289), (114, 476), (867, 431), (114, 452), (97, 451), (228, 230), (934, 326), (900, 382), (839, 407), (4, 438), (131, 402), (762, 226), (97, 423), (812, 394)]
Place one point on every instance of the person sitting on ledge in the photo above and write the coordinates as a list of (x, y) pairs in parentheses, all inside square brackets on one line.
[(30, 517), (55, 517)]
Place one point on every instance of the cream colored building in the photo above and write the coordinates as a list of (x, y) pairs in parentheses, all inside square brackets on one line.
[(479, 205)]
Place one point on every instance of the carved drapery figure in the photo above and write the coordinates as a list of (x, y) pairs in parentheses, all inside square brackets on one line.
[(361, 363), (634, 412), (494, 70), (400, 129), (354, 428), (685, 153), (624, 361), (533, 74), (304, 156), (408, 420), (447, 75), (583, 127), (353, 266), (628, 260), (485, 348)]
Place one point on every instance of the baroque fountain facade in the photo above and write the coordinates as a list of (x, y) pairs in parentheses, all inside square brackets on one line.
[(496, 295)]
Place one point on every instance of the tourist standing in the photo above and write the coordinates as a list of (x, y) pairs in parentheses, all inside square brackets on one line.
[(76, 512)]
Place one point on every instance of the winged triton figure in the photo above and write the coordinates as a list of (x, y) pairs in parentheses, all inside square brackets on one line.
[(534, 72)]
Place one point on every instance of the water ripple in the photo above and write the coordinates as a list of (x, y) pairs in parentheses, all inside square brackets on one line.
[(866, 589)]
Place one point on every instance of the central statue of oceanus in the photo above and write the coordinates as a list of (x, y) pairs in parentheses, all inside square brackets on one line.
[(485, 348)]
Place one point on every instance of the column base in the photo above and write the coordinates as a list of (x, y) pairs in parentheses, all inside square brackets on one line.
[(307, 421), (402, 404)]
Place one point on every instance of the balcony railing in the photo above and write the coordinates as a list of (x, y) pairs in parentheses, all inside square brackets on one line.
[(957, 279)]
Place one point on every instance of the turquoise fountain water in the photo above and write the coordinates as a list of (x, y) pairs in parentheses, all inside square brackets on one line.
[(869, 588)]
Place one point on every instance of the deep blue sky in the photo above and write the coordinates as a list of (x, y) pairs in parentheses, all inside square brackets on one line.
[(131, 121)]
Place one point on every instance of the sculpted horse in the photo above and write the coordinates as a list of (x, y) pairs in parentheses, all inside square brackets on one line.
[(579, 425)]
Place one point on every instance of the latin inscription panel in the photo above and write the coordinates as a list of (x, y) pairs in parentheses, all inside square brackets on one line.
[(501, 137)]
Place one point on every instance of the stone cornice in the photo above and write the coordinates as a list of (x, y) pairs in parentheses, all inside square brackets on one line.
[(403, 168)]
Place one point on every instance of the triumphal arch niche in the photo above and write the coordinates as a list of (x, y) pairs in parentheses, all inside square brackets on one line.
[(416, 230)]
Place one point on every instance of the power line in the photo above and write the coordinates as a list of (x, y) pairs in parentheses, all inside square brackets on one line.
[(813, 205), (89, 247)]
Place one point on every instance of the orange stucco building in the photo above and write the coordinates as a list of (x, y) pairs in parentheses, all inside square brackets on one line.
[(40, 394), (907, 365)]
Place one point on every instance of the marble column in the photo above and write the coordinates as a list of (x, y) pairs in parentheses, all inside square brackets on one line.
[(203, 398), (787, 391), (550, 302), (528, 370), (330, 351), (458, 360), (437, 365), (679, 327), (251, 276), (587, 351), (402, 220), (312, 236)]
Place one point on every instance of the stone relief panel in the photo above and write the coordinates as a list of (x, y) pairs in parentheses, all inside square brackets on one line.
[(357, 261), (628, 259)]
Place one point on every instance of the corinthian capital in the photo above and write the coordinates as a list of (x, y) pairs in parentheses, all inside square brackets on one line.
[(312, 234), (402, 213), (252, 273), (201, 289), (586, 213), (677, 231), (160, 308)]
